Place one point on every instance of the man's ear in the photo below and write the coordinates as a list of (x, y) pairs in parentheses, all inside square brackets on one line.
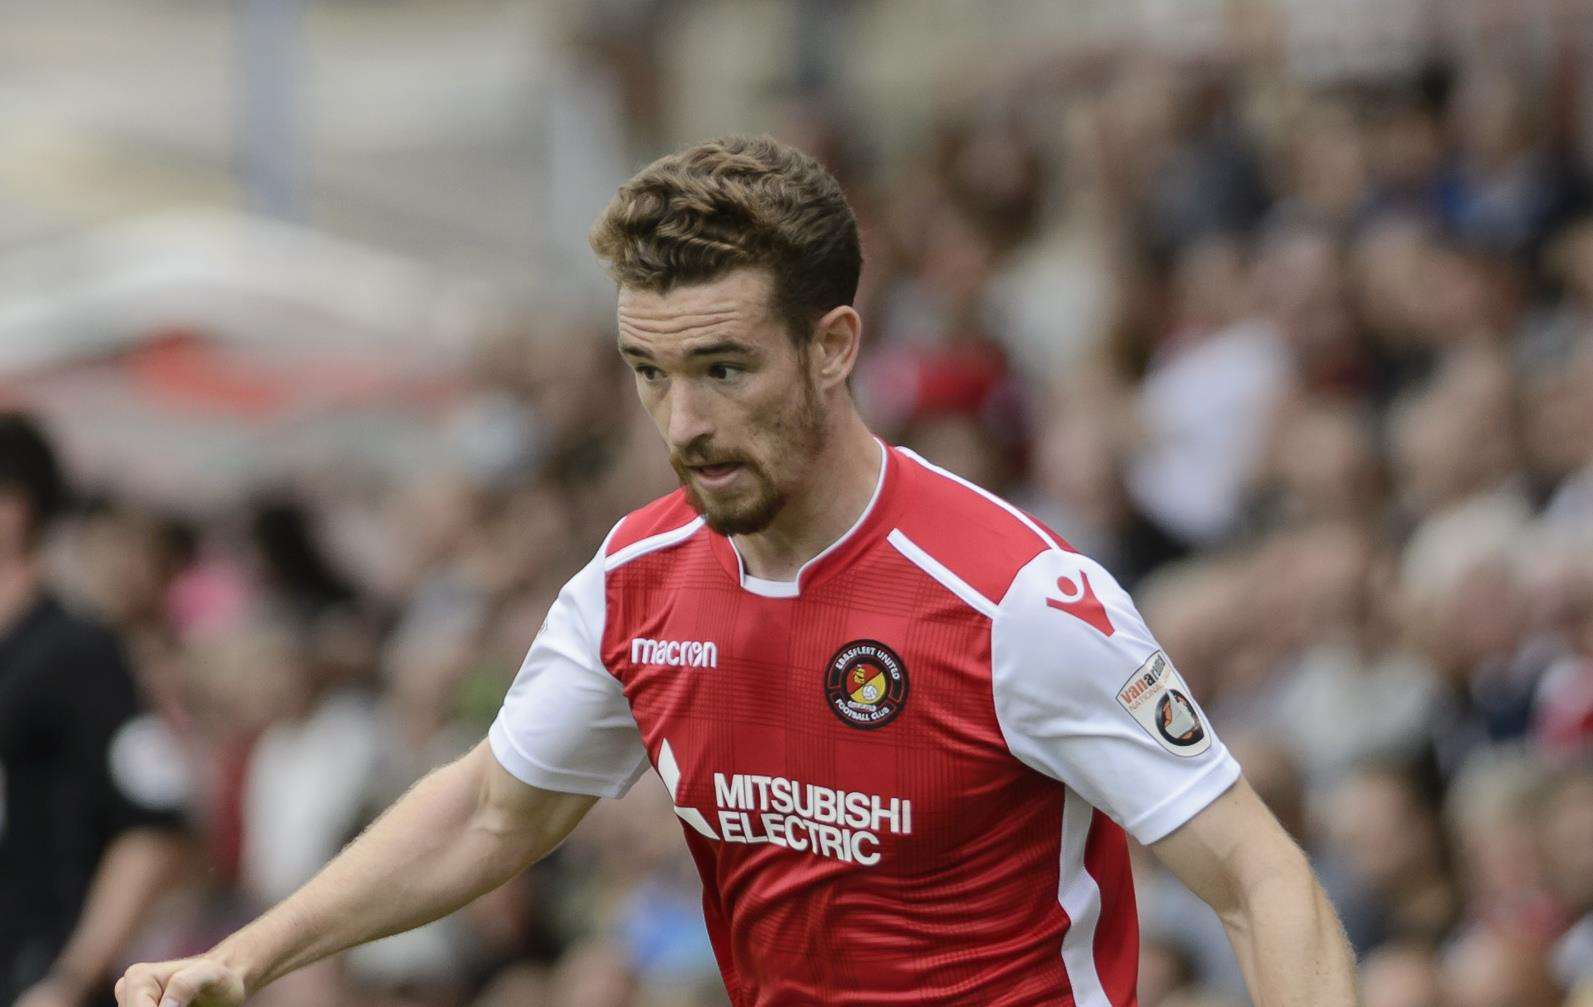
[(832, 353)]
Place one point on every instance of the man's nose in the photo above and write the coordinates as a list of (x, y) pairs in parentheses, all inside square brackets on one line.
[(688, 416)]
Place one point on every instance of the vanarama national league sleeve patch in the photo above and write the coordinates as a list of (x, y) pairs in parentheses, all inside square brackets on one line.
[(1156, 696)]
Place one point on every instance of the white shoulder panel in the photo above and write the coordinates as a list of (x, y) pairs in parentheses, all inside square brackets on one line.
[(565, 724), (1084, 694)]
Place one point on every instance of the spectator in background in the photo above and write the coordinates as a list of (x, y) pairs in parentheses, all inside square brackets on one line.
[(91, 791), (1400, 975), (1564, 818), (1488, 968), (1389, 855), (1489, 812), (1212, 389), (1504, 188)]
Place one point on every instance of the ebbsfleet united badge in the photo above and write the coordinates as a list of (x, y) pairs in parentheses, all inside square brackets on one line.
[(865, 683)]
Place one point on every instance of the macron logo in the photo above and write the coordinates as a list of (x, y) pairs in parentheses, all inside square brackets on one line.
[(676, 653)]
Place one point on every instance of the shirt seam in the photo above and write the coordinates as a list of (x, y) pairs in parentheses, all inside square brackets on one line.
[(651, 544)]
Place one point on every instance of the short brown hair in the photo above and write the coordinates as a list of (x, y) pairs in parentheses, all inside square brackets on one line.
[(735, 202)]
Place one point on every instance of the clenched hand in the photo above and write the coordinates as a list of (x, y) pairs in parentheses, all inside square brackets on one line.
[(188, 982)]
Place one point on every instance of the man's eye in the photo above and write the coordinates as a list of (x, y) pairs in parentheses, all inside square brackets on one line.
[(723, 372), (649, 373)]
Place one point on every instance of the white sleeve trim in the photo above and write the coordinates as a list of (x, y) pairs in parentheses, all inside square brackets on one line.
[(1177, 808), (529, 771)]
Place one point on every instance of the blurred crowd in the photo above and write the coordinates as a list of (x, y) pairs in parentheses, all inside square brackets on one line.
[(1308, 366)]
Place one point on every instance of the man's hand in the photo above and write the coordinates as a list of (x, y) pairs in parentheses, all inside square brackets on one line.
[(189, 982), (461, 831)]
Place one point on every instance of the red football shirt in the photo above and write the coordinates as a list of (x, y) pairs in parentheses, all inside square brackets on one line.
[(906, 775)]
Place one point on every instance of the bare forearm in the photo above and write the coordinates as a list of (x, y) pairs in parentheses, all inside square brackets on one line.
[(426, 856), (461, 831), (1290, 945), (136, 867), (1238, 859)]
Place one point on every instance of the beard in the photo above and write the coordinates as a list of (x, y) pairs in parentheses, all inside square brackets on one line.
[(747, 513), (793, 439)]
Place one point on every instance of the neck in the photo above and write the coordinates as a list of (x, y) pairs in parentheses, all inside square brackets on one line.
[(843, 477), (19, 587)]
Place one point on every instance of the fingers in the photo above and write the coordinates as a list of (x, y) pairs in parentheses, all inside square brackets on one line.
[(176, 984), (182, 989), (188, 983), (140, 987), (196, 978)]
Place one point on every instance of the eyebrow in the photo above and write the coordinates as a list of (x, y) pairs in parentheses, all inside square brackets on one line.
[(706, 350)]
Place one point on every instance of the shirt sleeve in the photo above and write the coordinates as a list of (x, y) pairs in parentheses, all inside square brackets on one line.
[(136, 770), (1085, 695), (565, 724)]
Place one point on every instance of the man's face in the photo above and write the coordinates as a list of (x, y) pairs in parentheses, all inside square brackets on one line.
[(729, 392)]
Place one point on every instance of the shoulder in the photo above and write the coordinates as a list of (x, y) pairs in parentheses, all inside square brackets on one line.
[(581, 605), (77, 670), (73, 638), (975, 536), (1064, 597), (667, 521)]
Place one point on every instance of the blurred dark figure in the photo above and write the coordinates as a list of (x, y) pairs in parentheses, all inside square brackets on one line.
[(1390, 867), (295, 569), (91, 790)]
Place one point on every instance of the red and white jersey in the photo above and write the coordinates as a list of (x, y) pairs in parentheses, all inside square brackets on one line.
[(906, 775)]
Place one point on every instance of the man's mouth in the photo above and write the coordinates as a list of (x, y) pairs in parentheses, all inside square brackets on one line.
[(717, 473)]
